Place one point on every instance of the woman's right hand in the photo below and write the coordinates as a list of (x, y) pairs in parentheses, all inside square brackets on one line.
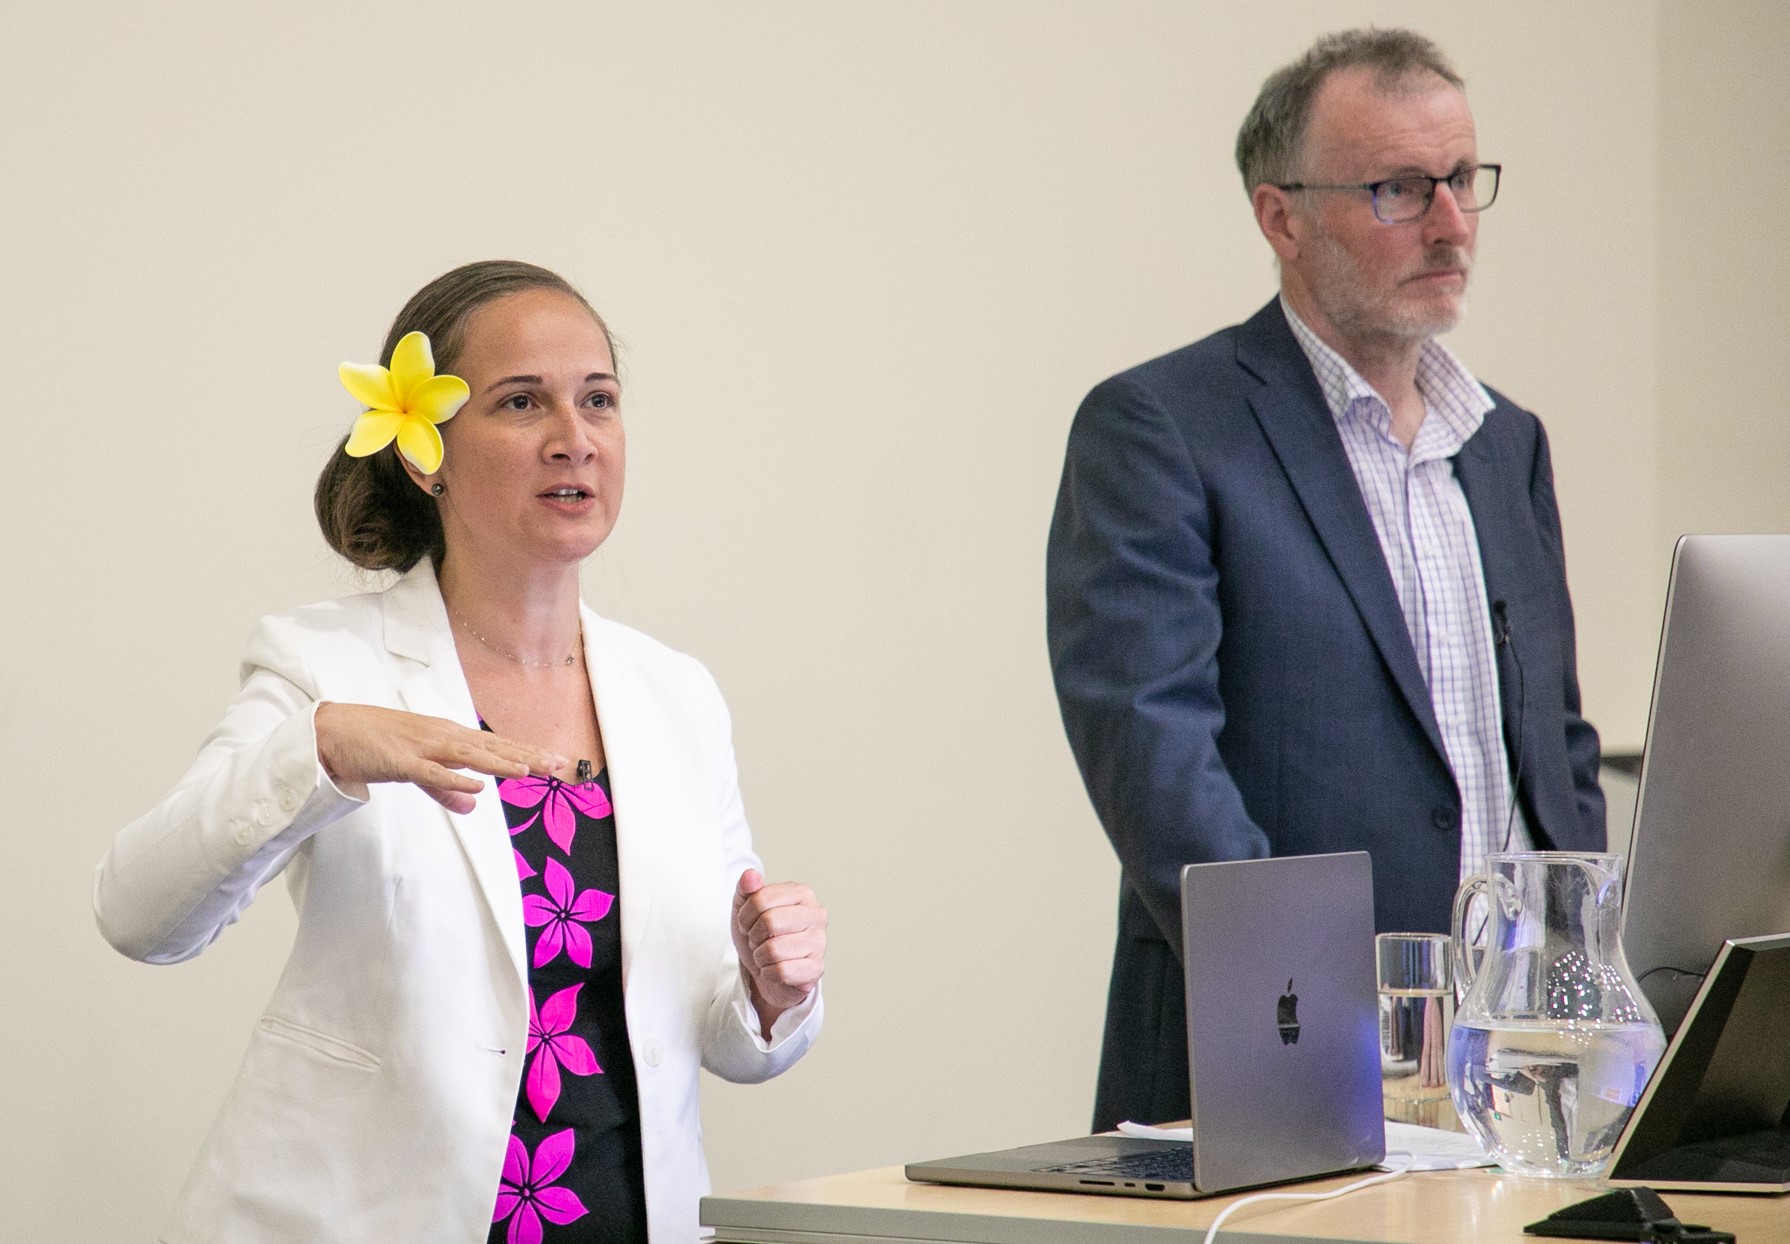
[(358, 744)]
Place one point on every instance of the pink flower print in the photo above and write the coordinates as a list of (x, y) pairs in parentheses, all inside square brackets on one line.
[(553, 1046), (556, 799), (562, 909), (523, 870), (525, 1195)]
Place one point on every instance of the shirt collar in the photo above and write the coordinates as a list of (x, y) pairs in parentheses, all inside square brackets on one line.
[(1457, 402)]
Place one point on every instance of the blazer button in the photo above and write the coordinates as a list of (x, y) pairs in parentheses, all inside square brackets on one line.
[(263, 817), (1446, 817), (288, 800), (242, 834), (652, 1052)]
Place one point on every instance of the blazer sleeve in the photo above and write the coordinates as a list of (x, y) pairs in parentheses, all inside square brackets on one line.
[(1134, 625), (733, 1046), (1583, 751), (178, 875)]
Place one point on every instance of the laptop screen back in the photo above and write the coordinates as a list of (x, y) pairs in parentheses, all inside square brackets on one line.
[(1282, 1021)]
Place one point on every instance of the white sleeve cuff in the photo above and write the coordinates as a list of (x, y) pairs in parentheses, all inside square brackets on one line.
[(787, 1023), (356, 792)]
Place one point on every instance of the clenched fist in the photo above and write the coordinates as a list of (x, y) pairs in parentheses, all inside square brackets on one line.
[(780, 931)]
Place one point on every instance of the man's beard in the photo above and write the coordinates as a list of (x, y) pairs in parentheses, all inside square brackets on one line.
[(1345, 293)]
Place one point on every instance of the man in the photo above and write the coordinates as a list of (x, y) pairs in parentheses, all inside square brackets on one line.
[(1306, 583)]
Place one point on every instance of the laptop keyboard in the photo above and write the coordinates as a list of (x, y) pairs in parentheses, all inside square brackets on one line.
[(1168, 1165)]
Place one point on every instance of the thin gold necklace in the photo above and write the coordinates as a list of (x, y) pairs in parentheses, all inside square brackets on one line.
[(512, 657)]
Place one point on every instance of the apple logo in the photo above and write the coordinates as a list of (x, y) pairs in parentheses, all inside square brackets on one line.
[(1286, 1014)]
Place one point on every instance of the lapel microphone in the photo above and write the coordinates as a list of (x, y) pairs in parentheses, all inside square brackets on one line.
[(1501, 639)]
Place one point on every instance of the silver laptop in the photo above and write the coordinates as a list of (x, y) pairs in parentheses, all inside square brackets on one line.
[(1283, 1046), (1710, 858)]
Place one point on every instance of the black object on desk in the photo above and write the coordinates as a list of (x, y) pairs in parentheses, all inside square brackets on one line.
[(1629, 1214), (1713, 1117)]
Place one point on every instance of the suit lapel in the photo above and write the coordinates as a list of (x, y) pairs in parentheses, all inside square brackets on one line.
[(431, 683), (1506, 546), (1297, 422), (637, 782)]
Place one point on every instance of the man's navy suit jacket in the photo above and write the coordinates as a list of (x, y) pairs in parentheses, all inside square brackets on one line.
[(1236, 676)]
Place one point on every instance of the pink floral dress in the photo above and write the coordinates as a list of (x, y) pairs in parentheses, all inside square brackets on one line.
[(573, 1170)]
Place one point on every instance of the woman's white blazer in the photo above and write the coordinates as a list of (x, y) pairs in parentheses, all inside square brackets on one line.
[(375, 1099)]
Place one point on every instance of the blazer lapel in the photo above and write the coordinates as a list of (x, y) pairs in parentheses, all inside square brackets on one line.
[(638, 781), (432, 684), (1297, 422), (1506, 546)]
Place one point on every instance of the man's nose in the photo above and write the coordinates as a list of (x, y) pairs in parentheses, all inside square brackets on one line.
[(1445, 221)]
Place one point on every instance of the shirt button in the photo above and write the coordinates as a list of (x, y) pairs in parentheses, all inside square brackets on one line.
[(242, 834), (652, 1051), (288, 800), (1446, 817)]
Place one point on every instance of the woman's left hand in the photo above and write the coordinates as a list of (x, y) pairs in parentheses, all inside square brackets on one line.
[(780, 932)]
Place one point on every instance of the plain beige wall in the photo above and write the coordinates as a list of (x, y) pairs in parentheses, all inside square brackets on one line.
[(864, 261), (1724, 185)]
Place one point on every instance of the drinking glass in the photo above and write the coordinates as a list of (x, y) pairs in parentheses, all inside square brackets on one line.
[(1415, 977)]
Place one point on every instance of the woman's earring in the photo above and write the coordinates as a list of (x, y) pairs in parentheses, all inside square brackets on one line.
[(437, 488)]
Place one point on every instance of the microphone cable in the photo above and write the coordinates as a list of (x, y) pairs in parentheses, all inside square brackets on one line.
[(1501, 639)]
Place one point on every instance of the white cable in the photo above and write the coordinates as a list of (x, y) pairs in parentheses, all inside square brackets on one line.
[(1234, 1206)]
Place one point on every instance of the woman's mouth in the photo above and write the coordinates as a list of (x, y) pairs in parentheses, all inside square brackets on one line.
[(570, 500)]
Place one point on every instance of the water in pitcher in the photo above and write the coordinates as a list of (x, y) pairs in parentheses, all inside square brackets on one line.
[(1550, 1099), (1554, 1040)]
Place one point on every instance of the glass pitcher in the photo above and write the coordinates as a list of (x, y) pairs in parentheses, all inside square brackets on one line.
[(1553, 1041)]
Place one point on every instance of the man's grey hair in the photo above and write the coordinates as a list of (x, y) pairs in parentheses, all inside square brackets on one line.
[(1269, 146)]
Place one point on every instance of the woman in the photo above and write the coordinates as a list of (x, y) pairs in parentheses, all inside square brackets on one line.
[(500, 993)]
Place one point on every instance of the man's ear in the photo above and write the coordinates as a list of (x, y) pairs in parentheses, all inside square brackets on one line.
[(1279, 223)]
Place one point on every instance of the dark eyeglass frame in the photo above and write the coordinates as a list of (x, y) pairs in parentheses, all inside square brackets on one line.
[(1374, 187)]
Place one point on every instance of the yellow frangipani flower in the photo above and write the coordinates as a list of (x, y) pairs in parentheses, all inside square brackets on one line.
[(405, 403)]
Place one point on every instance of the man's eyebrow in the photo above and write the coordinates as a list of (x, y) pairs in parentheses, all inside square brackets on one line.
[(1410, 170)]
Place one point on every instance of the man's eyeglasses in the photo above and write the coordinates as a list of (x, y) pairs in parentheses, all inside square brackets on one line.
[(1400, 199)]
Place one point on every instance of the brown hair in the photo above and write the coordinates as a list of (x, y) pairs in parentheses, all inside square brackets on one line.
[(1270, 146), (370, 510)]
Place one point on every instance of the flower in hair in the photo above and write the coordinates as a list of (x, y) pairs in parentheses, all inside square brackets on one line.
[(404, 403)]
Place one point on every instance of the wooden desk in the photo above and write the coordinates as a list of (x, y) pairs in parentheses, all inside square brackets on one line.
[(1434, 1207)]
